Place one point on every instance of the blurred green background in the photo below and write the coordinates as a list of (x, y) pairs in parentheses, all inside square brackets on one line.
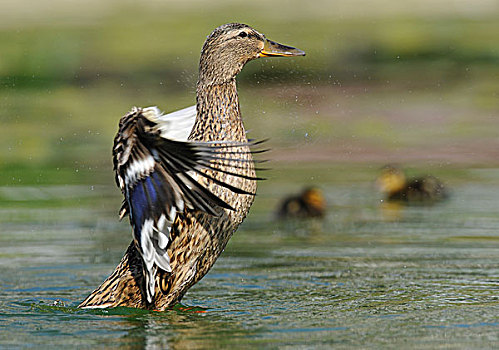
[(413, 82)]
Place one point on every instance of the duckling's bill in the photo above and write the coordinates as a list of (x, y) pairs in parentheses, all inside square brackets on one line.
[(273, 49)]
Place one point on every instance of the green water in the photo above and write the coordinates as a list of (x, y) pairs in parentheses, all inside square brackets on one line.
[(416, 277)]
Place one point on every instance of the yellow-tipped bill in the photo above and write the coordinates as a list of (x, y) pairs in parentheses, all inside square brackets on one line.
[(273, 49)]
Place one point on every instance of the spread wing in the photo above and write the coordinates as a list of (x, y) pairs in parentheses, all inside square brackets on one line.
[(156, 168)]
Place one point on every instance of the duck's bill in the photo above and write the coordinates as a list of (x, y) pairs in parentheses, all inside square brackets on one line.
[(273, 49)]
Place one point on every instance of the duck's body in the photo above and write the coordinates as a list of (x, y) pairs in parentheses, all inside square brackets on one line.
[(423, 189), (310, 203), (187, 213)]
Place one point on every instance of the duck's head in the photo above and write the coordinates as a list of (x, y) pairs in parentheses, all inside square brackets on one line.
[(229, 47), (392, 179)]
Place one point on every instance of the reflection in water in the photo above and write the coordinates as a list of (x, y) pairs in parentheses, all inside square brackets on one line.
[(395, 210), (298, 228), (178, 330), (391, 210)]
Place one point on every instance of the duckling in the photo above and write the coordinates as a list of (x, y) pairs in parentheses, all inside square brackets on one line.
[(310, 203), (394, 184), (188, 178)]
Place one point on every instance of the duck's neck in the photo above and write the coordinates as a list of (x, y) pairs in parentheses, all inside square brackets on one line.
[(218, 115)]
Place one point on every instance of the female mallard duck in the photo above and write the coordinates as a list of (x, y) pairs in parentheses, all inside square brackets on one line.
[(188, 179), (310, 203), (394, 184)]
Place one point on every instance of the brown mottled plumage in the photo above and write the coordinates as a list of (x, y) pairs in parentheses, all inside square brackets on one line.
[(180, 229)]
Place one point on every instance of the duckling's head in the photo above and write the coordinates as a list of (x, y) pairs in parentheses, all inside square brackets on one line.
[(229, 47), (313, 197), (391, 179)]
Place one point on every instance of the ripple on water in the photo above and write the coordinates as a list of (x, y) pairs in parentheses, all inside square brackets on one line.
[(427, 279)]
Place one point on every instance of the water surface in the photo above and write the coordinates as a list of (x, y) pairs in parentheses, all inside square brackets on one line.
[(368, 275)]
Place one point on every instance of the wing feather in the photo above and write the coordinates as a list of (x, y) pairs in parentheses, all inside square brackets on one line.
[(155, 167)]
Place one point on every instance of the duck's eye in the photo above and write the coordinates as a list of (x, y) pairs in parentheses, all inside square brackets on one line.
[(243, 34)]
